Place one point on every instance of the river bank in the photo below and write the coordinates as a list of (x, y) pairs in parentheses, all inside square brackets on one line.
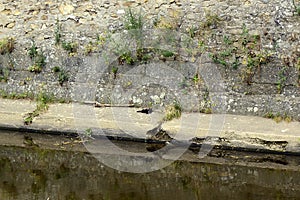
[(248, 133), (252, 157)]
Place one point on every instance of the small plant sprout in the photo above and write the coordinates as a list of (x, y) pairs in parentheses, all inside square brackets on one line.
[(201, 46), (57, 32), (282, 80), (39, 63), (278, 117), (196, 78), (133, 21), (101, 39), (227, 40), (88, 133), (70, 47), (39, 60), (212, 21), (127, 58), (244, 35), (114, 70), (142, 55), (32, 51), (192, 31), (206, 104), (167, 54), (62, 75), (56, 69), (42, 100), (4, 75), (89, 48), (297, 7), (236, 63)]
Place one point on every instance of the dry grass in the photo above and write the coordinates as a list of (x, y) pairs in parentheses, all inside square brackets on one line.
[(7, 45), (172, 112)]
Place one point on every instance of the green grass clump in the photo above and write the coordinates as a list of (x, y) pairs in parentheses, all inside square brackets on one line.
[(167, 54), (42, 101), (39, 60), (70, 47), (127, 58), (56, 69), (278, 117), (114, 70), (13, 95), (62, 75), (4, 75)]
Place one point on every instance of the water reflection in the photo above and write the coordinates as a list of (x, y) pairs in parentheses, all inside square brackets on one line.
[(34, 173)]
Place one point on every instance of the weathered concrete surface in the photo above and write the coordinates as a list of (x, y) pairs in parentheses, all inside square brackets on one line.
[(158, 83), (228, 130), (99, 27)]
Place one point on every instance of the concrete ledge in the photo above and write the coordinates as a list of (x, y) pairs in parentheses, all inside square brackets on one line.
[(245, 133)]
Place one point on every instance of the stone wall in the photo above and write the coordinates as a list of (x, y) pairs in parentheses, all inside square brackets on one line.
[(83, 20), (271, 86)]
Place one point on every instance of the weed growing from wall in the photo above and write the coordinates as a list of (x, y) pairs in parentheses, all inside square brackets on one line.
[(7, 45), (89, 48), (95, 46), (4, 75), (114, 70), (173, 112), (57, 33), (205, 104), (127, 58), (245, 51), (192, 31), (70, 47), (277, 117), (282, 80), (298, 67), (212, 21), (224, 57), (296, 7), (62, 75), (42, 105), (13, 95), (38, 59), (133, 21)]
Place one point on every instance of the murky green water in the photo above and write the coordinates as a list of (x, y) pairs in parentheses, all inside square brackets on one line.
[(33, 173)]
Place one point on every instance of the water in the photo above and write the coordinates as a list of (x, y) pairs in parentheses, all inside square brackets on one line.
[(37, 173)]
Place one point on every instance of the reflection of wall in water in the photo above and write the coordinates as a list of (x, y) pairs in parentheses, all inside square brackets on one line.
[(42, 174)]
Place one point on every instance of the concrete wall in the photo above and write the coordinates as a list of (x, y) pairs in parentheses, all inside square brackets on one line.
[(275, 22)]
